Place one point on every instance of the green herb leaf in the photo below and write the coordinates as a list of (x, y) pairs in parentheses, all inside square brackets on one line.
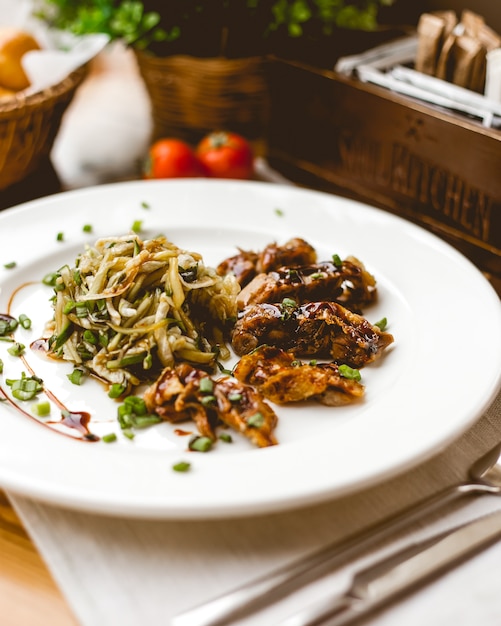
[(349, 372), (200, 444), (41, 409), (17, 349), (182, 466), (382, 324), (256, 420)]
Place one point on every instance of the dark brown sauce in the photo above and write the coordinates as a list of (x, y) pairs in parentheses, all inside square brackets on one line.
[(182, 433), (72, 422)]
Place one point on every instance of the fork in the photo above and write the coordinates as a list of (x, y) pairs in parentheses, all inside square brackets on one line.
[(484, 477)]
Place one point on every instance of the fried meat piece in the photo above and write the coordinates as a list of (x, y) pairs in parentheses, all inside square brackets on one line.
[(176, 397), (316, 329), (296, 251), (247, 264), (242, 408), (281, 378), (242, 265), (185, 393), (347, 282)]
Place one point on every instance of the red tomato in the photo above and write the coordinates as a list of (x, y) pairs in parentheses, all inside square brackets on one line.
[(172, 158), (226, 155)]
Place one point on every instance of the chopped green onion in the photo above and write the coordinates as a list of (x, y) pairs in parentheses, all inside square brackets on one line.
[(59, 236), (87, 228), (382, 324), (349, 372), (206, 385), (8, 326), (1, 366), (109, 438), (182, 466), (226, 437), (77, 376), (11, 265), (116, 390), (317, 276), (17, 349), (279, 212), (289, 302), (41, 409), (256, 420), (200, 444), (207, 400), (25, 388), (234, 397), (89, 337), (77, 277), (336, 259), (143, 421), (137, 226), (134, 414), (25, 321)]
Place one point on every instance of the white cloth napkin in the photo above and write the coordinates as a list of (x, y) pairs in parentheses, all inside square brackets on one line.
[(130, 572)]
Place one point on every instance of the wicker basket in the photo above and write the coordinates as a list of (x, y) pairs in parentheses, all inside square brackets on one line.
[(28, 127), (192, 96)]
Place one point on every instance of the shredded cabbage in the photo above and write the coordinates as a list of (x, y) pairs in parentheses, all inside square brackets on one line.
[(129, 308)]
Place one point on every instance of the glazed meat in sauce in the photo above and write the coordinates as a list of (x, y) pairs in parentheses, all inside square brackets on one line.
[(186, 393), (281, 378), (347, 282), (317, 329), (247, 264)]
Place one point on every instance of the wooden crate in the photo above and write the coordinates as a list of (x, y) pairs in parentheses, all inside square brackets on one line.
[(436, 168)]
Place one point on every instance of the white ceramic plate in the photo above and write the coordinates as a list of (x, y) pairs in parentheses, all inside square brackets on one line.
[(434, 382)]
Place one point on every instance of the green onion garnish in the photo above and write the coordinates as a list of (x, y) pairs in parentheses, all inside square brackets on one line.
[(226, 437), (50, 279), (109, 438), (382, 324), (336, 259), (256, 420), (349, 372), (206, 385), (25, 321), (25, 388), (16, 349), (87, 228), (77, 376), (200, 444), (59, 236), (116, 390), (10, 266), (182, 466), (41, 409)]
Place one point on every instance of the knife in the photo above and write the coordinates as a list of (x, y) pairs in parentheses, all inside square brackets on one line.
[(374, 586)]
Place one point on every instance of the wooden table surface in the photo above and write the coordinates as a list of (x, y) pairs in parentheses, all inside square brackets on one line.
[(28, 594)]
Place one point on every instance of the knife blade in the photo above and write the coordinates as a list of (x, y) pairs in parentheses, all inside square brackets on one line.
[(391, 577)]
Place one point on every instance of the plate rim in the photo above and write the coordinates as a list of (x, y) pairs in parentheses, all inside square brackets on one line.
[(93, 503)]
